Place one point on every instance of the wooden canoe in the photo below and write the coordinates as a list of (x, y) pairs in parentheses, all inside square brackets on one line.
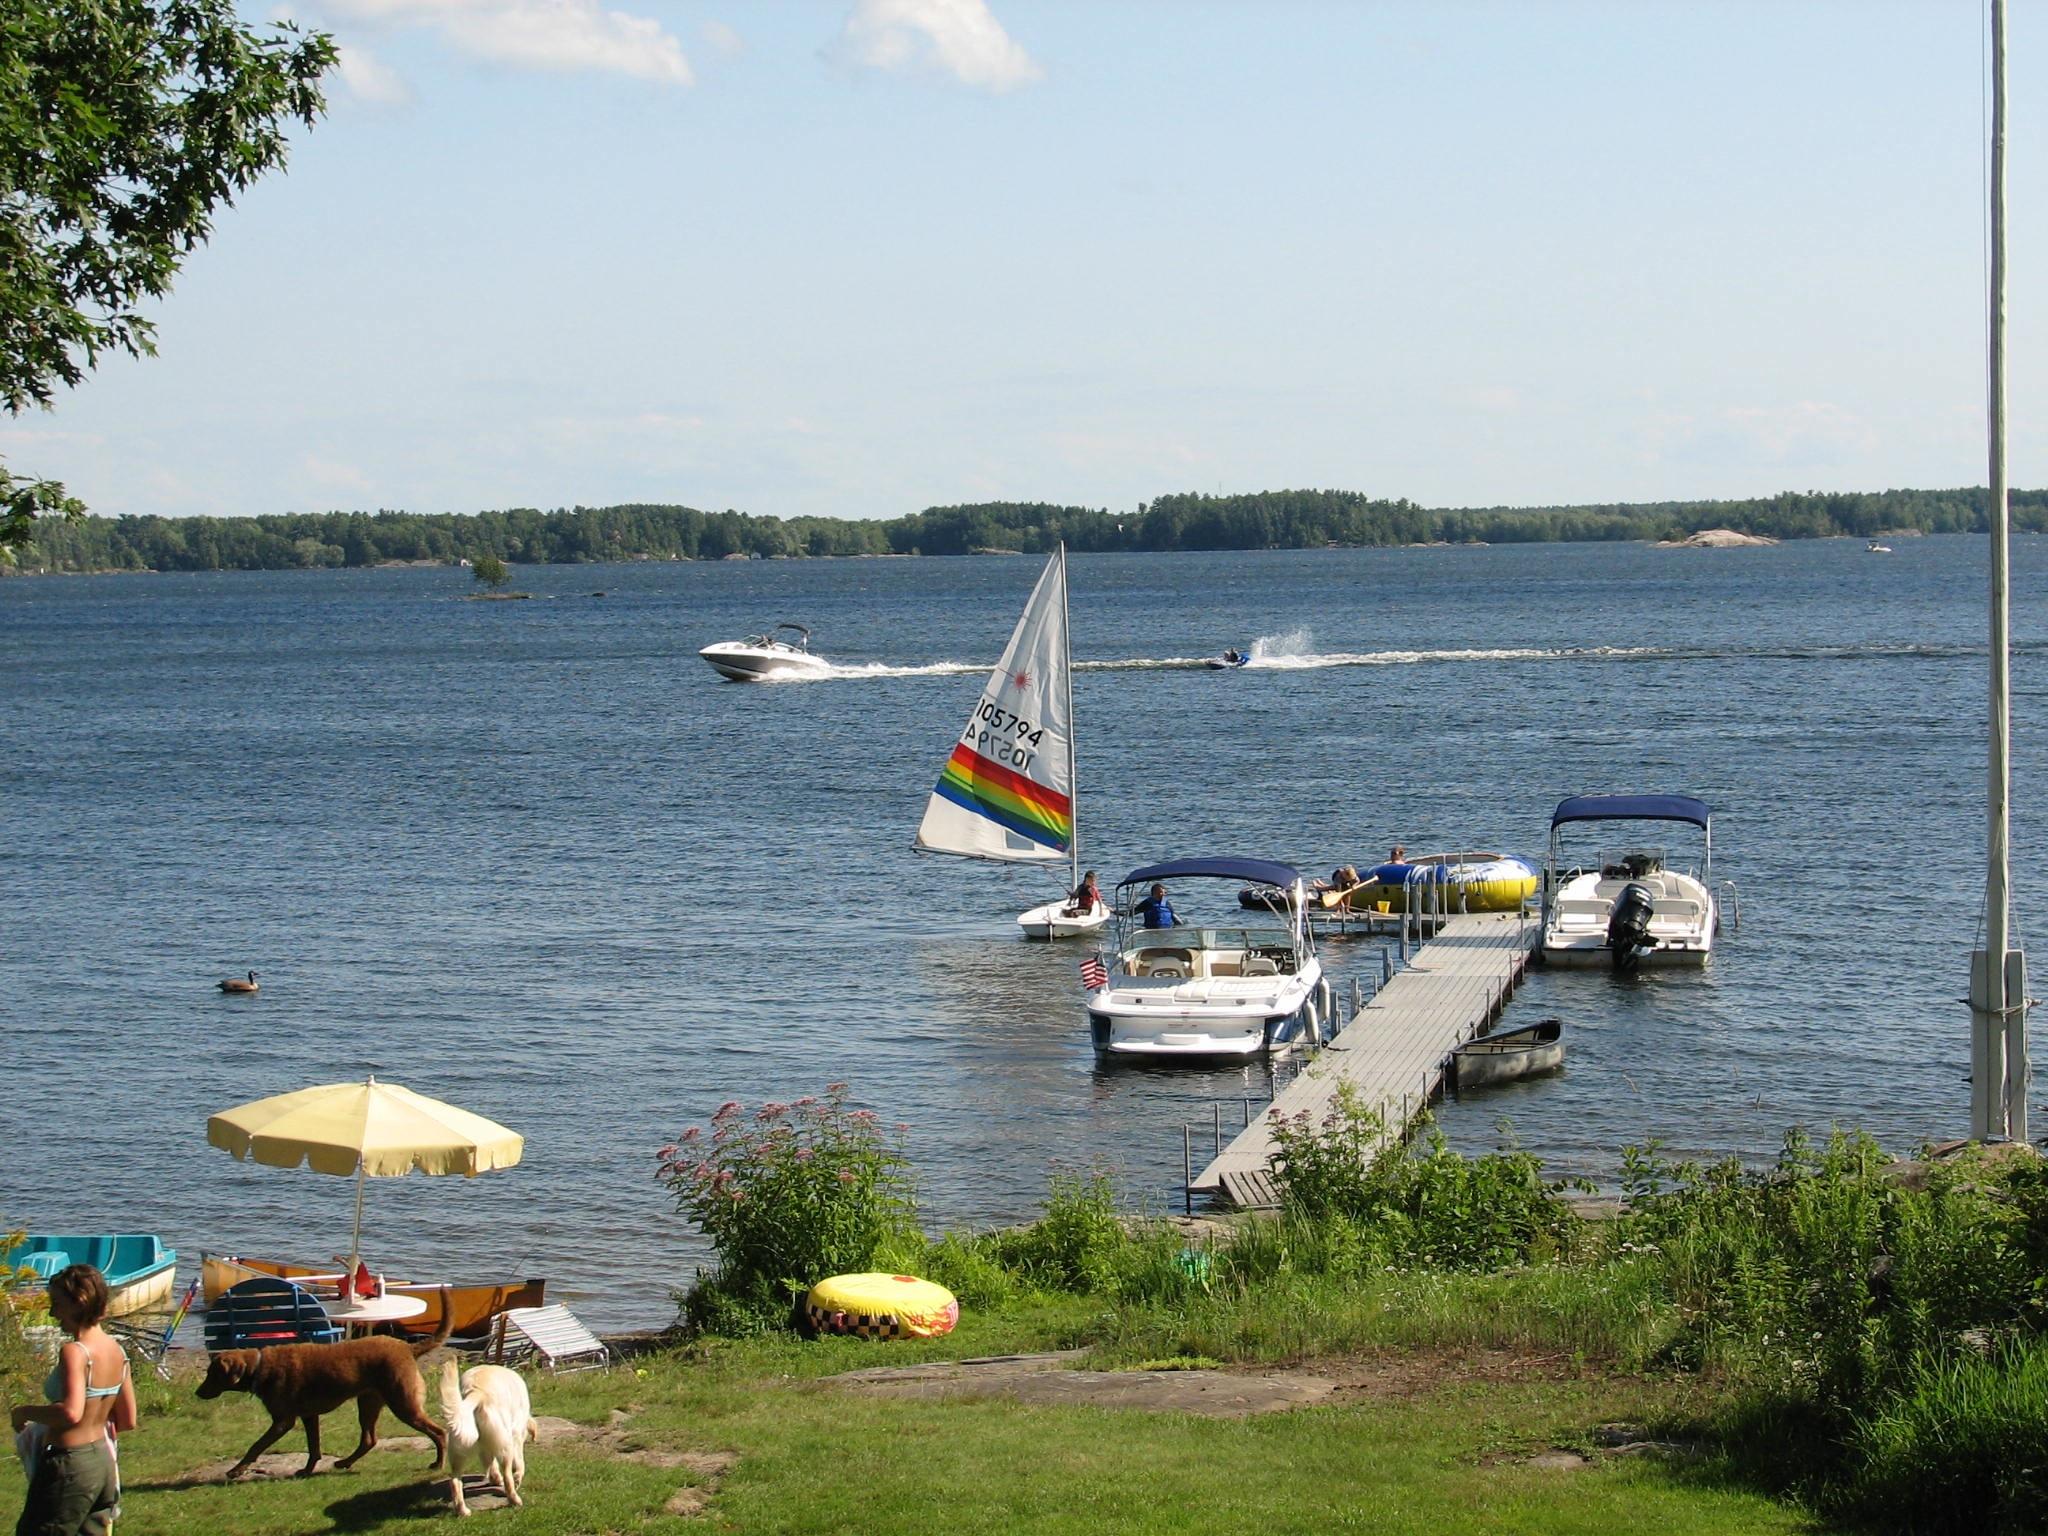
[(474, 1306)]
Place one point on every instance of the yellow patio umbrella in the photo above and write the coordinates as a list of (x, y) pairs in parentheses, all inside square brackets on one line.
[(368, 1129)]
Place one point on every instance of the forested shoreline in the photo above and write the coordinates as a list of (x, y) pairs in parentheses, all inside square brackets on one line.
[(1259, 520)]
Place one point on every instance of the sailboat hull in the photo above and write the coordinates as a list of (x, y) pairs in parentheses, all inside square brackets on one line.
[(1053, 921)]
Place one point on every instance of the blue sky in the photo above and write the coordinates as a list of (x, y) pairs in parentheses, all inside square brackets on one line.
[(861, 257)]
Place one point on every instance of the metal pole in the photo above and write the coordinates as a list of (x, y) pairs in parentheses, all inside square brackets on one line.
[(1187, 1172), (1998, 1033), (1216, 1132)]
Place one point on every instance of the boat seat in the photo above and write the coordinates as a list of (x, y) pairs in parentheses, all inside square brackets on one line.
[(1168, 968), (1260, 965), (267, 1310)]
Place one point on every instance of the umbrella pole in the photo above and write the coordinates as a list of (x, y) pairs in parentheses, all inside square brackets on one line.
[(355, 1241)]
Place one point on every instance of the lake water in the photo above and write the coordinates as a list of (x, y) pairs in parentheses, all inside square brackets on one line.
[(537, 859)]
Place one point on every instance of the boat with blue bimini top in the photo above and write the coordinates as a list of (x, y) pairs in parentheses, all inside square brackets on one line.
[(1192, 989), (1632, 907)]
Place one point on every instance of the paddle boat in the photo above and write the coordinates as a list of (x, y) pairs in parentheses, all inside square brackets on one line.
[(763, 657), (1192, 990), (1633, 907), (139, 1268)]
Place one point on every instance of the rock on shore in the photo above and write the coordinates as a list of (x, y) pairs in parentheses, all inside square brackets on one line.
[(1717, 538)]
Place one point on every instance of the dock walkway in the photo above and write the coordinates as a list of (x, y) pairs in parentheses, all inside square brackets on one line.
[(1395, 1049)]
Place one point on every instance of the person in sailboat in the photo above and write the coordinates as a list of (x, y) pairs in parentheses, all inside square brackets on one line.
[(1155, 911), (1086, 897)]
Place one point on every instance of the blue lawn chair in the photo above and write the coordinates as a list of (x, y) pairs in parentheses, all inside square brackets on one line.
[(267, 1310)]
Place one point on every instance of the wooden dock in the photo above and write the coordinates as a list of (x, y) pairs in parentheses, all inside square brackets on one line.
[(1395, 1050)]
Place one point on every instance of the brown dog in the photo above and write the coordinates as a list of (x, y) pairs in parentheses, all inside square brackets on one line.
[(299, 1382)]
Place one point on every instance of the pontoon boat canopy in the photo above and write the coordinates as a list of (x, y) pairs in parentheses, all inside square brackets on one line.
[(1632, 808), (1257, 871)]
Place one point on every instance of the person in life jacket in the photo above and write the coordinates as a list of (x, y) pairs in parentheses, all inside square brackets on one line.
[(1156, 911)]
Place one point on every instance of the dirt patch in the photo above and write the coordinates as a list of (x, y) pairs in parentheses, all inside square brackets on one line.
[(1055, 1378), (1050, 1379), (1382, 1377), (614, 1438)]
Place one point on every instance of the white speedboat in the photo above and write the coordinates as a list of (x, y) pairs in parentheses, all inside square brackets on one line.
[(1633, 907), (759, 658), (1236, 989), (1877, 547)]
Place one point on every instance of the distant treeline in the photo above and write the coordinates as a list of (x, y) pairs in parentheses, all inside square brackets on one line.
[(1260, 520)]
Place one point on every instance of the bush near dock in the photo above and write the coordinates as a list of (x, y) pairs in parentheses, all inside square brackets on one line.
[(1872, 1329)]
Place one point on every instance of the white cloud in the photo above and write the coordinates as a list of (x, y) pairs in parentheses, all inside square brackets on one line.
[(369, 78), (333, 474), (722, 37), (960, 37), (562, 35)]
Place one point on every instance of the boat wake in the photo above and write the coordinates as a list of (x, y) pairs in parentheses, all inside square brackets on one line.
[(1294, 651)]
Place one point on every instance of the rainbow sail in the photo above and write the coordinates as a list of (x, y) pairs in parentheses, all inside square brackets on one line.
[(1006, 791)]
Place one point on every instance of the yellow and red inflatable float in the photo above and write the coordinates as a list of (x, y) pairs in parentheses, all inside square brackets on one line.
[(879, 1306)]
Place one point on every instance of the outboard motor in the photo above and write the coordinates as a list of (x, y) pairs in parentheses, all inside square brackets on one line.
[(1628, 925)]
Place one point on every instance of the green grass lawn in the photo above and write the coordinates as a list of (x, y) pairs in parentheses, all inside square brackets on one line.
[(1447, 1458)]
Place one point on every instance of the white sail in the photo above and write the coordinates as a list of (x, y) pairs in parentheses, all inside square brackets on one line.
[(1006, 791)]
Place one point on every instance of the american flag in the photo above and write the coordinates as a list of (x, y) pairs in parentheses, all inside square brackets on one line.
[(1094, 974)]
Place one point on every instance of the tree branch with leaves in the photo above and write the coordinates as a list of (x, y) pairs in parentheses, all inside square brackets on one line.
[(123, 125)]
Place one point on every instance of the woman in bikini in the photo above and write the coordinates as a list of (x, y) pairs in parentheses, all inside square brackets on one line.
[(74, 1491)]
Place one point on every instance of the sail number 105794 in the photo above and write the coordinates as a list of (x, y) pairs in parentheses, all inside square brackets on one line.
[(999, 724)]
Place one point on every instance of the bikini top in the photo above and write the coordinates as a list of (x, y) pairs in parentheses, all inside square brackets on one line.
[(53, 1384)]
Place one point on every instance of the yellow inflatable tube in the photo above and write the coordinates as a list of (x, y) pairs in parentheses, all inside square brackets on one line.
[(881, 1307), (1478, 882)]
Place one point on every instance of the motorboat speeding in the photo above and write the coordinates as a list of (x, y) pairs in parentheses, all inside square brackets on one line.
[(1230, 658), (759, 658), (1176, 988), (1633, 907)]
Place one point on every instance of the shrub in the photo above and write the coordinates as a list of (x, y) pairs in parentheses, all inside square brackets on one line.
[(1415, 1205), (1963, 1447), (17, 1362), (788, 1195)]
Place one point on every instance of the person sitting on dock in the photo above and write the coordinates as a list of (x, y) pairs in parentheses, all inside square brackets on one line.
[(1086, 898), (1155, 910)]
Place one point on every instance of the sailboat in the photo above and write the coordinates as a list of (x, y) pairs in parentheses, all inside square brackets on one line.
[(1006, 793)]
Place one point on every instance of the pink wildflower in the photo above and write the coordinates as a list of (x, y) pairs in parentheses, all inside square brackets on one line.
[(726, 1110), (846, 1175), (692, 1134), (835, 1089), (773, 1111), (803, 1154), (805, 1102), (864, 1116), (666, 1152)]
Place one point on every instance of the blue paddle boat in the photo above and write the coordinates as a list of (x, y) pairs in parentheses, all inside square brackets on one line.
[(138, 1267)]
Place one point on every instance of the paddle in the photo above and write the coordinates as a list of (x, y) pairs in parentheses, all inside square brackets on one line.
[(1331, 898)]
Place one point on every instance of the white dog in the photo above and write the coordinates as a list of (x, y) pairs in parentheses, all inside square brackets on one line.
[(490, 1419)]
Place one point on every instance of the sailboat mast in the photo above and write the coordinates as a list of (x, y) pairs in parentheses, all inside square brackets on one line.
[(1998, 989), (1073, 779)]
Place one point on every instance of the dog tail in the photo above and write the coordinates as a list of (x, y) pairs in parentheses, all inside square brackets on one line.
[(451, 1391), (424, 1347)]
